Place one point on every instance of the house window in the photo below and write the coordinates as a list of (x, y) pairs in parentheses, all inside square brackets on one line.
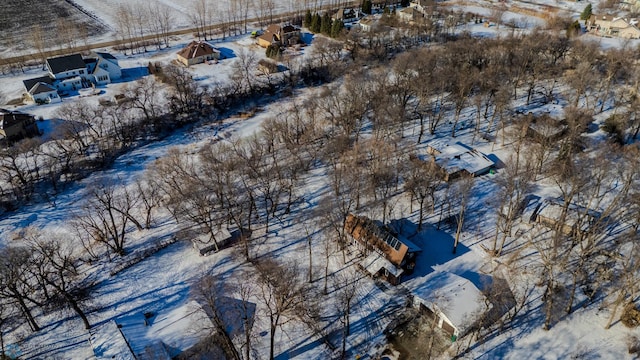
[(81, 71)]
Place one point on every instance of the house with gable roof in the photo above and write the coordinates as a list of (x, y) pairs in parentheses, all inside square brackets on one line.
[(197, 52), (283, 35), (607, 25), (71, 73), (385, 253)]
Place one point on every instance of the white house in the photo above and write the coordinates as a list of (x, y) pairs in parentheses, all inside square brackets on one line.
[(108, 63), (71, 73), (43, 93), (64, 67), (367, 24)]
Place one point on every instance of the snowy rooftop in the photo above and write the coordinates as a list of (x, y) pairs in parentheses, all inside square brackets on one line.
[(552, 209), (377, 261), (108, 343), (179, 328), (455, 156), (456, 297)]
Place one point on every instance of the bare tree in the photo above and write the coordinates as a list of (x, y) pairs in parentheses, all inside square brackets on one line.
[(58, 270), (347, 285), (15, 284), (106, 216), (282, 293), (462, 191), (210, 293), (422, 179)]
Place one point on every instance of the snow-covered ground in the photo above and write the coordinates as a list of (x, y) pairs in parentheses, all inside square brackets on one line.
[(160, 284)]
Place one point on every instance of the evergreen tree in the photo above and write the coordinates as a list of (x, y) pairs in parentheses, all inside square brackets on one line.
[(307, 19), (336, 28), (366, 7), (586, 13), (315, 23), (273, 51), (574, 29), (325, 24)]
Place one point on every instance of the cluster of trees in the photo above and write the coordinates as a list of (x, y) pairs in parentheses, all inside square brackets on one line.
[(323, 24), (43, 271), (362, 132), (140, 25)]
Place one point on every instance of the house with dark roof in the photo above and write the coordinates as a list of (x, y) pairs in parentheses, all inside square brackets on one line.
[(103, 65), (281, 35), (64, 67), (71, 73), (43, 93), (385, 252), (41, 90), (197, 52), (15, 125)]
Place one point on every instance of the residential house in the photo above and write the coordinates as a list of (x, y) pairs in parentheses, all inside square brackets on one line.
[(197, 52), (607, 25), (380, 5), (43, 93), (545, 128), (65, 67), (103, 68), (451, 300), (368, 23), (220, 240), (386, 253), (71, 73), (410, 15), (347, 16), (423, 6), (456, 159), (15, 125), (281, 35), (570, 219)]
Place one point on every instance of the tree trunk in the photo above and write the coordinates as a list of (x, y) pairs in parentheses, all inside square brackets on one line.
[(272, 337), (76, 308), (27, 313)]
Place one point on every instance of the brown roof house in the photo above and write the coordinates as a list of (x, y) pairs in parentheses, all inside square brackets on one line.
[(197, 52), (386, 253), (15, 125), (283, 35)]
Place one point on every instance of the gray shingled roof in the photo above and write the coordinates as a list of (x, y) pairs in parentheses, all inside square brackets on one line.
[(66, 63), (29, 83), (41, 88)]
